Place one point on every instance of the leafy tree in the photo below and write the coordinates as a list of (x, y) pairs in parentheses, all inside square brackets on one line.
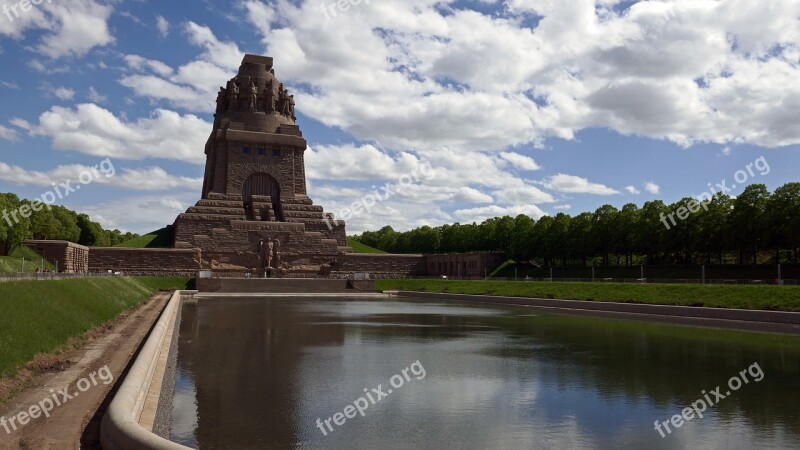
[(603, 231), (748, 221), (783, 217), (92, 234), (14, 229)]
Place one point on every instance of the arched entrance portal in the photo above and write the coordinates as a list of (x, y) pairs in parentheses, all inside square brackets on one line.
[(265, 185)]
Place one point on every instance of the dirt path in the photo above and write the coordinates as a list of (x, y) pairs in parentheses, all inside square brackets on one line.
[(75, 424)]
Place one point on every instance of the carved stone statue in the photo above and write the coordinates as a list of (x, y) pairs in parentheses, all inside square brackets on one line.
[(277, 253), (233, 95), (253, 96), (281, 99), (223, 93), (266, 249), (286, 104), (269, 97), (291, 107)]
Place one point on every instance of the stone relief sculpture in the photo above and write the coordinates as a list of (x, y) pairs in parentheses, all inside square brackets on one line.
[(269, 97), (253, 98), (233, 98), (223, 93), (233, 94), (266, 250), (277, 254)]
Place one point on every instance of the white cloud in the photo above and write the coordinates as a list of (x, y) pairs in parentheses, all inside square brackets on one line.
[(467, 194), (95, 97), (572, 184), (523, 195), (488, 212), (520, 162), (64, 93), (139, 63), (162, 25), (563, 207), (437, 77), (652, 188), (192, 86), (93, 130), (139, 214), (148, 179), (8, 134), (633, 190)]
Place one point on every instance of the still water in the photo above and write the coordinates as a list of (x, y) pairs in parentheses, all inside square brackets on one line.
[(258, 373)]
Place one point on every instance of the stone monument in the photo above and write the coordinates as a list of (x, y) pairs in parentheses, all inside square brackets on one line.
[(254, 189)]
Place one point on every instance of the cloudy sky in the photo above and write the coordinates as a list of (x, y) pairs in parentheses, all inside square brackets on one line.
[(519, 106)]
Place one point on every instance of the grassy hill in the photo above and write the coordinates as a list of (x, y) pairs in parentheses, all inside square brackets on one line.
[(358, 247), (13, 262), (156, 239), (42, 316)]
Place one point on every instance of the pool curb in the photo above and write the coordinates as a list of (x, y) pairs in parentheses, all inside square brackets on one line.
[(125, 425), (744, 319)]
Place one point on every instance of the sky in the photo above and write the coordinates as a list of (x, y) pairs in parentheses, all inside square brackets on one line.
[(470, 109)]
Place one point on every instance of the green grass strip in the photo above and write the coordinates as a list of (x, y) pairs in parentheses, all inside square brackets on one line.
[(775, 298), (41, 316)]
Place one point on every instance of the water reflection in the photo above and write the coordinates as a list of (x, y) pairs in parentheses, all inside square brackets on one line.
[(261, 371)]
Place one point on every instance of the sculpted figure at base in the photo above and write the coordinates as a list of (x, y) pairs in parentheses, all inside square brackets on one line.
[(277, 253), (266, 249)]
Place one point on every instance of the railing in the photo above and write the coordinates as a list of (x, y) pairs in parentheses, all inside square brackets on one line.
[(46, 276), (791, 282)]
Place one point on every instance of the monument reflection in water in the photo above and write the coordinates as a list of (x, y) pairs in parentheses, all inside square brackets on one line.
[(258, 373)]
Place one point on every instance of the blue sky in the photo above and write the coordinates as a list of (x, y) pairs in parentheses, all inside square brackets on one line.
[(519, 106)]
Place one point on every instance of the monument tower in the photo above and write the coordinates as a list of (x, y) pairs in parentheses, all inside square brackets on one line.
[(255, 213)]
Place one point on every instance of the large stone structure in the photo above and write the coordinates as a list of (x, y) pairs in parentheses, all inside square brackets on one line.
[(255, 214)]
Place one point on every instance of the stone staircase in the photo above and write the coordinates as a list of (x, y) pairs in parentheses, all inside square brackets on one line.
[(219, 226)]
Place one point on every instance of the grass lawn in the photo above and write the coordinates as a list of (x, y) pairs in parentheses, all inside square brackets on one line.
[(13, 262), (777, 298), (157, 239), (42, 316), (358, 247)]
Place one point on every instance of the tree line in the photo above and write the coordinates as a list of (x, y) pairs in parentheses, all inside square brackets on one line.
[(21, 220), (755, 227)]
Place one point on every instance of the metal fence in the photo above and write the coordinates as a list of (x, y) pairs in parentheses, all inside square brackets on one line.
[(622, 280), (47, 276)]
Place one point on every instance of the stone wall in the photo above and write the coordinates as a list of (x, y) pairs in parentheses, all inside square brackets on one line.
[(66, 256), (145, 261), (382, 265), (464, 265)]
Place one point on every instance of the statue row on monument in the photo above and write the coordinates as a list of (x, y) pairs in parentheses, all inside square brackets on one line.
[(231, 98)]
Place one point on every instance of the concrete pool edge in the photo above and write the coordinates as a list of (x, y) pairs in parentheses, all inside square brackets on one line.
[(121, 427), (739, 319)]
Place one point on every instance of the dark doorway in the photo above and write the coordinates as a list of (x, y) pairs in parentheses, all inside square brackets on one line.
[(264, 185)]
